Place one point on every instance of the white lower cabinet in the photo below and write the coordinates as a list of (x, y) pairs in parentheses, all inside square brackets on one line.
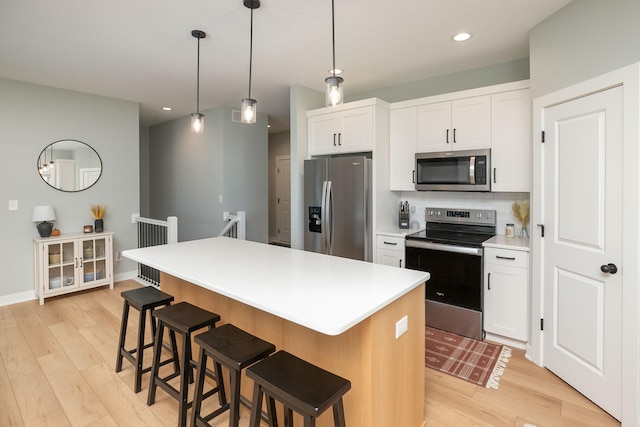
[(390, 250), (72, 263), (506, 292)]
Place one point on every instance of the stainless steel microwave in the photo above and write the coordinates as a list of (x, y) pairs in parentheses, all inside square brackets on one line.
[(467, 170)]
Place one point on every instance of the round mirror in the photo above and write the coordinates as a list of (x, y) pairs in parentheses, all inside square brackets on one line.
[(69, 165)]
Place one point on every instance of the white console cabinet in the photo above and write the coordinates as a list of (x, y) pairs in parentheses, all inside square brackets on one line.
[(506, 292), (71, 263)]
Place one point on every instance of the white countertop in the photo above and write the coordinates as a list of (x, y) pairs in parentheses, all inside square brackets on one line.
[(325, 293), (398, 232), (500, 241)]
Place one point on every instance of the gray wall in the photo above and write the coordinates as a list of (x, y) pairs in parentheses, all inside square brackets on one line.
[(279, 145), (301, 99), (468, 79), (583, 40), (189, 172), (34, 116)]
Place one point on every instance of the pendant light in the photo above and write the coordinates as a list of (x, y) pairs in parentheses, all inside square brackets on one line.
[(334, 95), (248, 108), (197, 119)]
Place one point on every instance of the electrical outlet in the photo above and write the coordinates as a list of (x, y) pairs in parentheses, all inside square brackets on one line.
[(401, 326), (13, 205)]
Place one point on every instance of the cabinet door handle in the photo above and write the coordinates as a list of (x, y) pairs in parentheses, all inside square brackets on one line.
[(400, 263), (447, 136), (339, 139), (390, 243), (413, 176), (454, 135), (494, 175), (334, 140), (489, 281), (508, 258)]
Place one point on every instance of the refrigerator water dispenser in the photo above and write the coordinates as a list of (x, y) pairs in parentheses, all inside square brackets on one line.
[(315, 219)]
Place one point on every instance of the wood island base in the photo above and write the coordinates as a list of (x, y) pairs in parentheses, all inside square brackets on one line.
[(386, 374)]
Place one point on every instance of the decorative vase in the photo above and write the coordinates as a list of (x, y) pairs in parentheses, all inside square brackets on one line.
[(98, 226), (524, 232), (44, 228)]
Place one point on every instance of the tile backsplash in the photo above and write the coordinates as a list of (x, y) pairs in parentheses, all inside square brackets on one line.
[(500, 202)]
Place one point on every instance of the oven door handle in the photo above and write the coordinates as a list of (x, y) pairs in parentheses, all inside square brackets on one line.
[(447, 248)]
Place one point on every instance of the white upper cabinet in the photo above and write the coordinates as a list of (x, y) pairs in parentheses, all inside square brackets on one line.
[(404, 137), (345, 131), (461, 124), (495, 117), (511, 141)]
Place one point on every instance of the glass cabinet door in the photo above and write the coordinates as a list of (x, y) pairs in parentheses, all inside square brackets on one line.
[(61, 264), (94, 259)]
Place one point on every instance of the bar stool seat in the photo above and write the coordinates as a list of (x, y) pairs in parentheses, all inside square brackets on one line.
[(184, 319), (144, 300), (235, 349), (299, 386)]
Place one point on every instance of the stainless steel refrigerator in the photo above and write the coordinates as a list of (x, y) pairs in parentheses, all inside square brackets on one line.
[(337, 200)]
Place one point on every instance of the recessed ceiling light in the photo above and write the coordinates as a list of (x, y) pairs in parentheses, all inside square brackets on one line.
[(460, 37), (337, 71), (167, 108)]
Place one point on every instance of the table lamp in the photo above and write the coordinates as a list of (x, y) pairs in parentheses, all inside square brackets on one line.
[(42, 215)]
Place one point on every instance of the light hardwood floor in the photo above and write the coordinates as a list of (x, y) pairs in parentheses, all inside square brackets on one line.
[(57, 369)]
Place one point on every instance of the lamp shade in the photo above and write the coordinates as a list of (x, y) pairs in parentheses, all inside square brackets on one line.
[(43, 214)]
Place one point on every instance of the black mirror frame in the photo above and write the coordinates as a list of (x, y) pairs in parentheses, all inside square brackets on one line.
[(70, 140)]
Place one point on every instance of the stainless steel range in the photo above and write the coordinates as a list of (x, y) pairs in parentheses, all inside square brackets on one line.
[(450, 249)]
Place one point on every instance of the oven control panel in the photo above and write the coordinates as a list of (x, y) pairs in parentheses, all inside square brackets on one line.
[(464, 216)]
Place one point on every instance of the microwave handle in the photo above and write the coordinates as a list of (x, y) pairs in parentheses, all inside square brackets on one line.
[(472, 169)]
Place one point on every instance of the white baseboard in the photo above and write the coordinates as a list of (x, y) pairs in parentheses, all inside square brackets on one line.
[(18, 297), (506, 341)]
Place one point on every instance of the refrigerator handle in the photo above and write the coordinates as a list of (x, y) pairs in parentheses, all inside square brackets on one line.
[(329, 218), (323, 220)]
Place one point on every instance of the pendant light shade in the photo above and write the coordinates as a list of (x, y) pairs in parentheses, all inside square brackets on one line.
[(248, 107), (197, 119), (334, 95)]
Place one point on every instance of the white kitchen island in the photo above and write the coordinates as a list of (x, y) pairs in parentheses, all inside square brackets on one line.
[(337, 313)]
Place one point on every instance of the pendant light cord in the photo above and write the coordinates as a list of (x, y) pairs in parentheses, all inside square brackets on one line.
[(250, 52), (333, 37), (198, 81)]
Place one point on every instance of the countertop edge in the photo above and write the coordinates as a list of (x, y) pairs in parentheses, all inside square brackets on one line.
[(511, 243)]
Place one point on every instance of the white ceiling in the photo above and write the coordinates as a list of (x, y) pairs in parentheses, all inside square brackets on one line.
[(143, 51)]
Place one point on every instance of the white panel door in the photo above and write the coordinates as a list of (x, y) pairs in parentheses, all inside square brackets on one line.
[(283, 202), (583, 198)]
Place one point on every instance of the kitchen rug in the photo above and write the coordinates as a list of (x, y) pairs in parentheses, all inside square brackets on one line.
[(475, 361)]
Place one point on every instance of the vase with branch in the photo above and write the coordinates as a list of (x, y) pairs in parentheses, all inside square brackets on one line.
[(521, 211), (97, 211)]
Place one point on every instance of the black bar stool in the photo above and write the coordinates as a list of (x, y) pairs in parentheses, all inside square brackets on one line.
[(144, 300), (236, 349), (300, 386), (184, 319)]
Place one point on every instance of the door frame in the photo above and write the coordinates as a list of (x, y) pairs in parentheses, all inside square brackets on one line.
[(629, 78), (278, 192)]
